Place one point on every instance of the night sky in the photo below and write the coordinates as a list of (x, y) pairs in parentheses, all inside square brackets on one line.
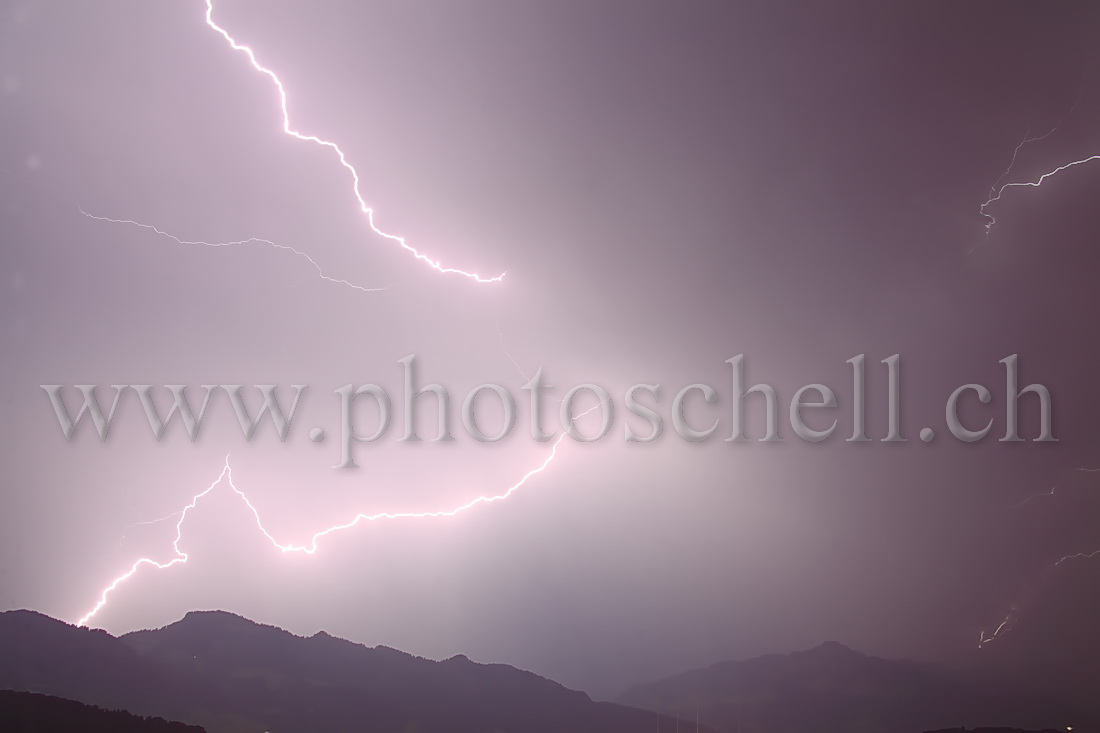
[(667, 185)]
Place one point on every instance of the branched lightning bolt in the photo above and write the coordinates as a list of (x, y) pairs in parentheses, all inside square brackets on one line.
[(999, 187), (227, 473), (235, 243), (311, 547), (363, 207)]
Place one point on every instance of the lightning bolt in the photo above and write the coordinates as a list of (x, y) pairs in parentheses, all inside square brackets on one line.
[(1084, 555), (1032, 184), (236, 243), (504, 348), (363, 207), (1006, 624), (310, 548), (149, 522), (1048, 492), (1052, 489), (1080, 555)]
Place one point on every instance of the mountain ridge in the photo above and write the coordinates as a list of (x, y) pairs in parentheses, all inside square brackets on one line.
[(232, 675), (832, 688)]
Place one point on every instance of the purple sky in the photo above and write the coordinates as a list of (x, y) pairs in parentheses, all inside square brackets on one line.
[(668, 185)]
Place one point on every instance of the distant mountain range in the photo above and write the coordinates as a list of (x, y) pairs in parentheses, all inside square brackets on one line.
[(231, 675), (834, 689)]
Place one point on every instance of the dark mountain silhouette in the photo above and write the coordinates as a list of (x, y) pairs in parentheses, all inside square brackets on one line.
[(232, 675), (41, 654), (994, 730), (29, 712), (834, 689)]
